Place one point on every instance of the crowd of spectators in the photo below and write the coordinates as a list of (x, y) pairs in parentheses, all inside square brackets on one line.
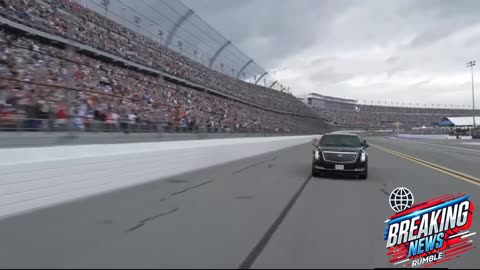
[(70, 20), (41, 81), (36, 77), (378, 116)]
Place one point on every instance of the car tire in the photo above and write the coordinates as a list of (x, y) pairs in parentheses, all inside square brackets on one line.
[(363, 176), (315, 173)]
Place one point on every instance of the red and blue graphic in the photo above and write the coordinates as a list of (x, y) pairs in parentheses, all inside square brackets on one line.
[(430, 232)]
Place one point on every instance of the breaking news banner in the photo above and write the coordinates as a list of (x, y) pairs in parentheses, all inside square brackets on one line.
[(430, 232)]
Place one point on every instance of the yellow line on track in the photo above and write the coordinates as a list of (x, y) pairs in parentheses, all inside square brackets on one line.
[(456, 174)]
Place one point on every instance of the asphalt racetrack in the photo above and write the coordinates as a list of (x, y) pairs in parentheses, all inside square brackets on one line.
[(261, 212)]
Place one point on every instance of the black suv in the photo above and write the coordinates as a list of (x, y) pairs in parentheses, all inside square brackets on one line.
[(340, 153)]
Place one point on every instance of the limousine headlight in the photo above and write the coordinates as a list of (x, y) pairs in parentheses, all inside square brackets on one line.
[(363, 157), (317, 154)]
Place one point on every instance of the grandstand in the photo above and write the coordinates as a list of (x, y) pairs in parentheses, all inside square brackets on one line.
[(348, 113), (68, 64), (62, 60)]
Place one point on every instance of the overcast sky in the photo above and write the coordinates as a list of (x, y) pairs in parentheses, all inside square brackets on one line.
[(408, 51)]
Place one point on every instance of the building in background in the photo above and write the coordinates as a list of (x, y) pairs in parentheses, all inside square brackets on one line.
[(460, 122), (327, 102)]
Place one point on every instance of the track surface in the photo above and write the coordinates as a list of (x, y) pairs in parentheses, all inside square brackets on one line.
[(260, 212)]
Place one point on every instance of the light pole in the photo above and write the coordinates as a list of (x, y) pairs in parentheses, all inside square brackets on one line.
[(471, 64), (150, 33), (105, 4), (160, 33), (180, 46), (137, 21)]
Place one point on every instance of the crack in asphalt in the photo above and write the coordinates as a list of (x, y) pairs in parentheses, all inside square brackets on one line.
[(246, 197), (254, 164), (143, 221), (383, 189), (192, 187), (177, 181), (105, 222)]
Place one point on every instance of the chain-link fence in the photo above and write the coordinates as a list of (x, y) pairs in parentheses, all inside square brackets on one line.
[(174, 25)]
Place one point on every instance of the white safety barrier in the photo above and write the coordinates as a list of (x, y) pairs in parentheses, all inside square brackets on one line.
[(460, 138), (421, 136), (432, 136), (31, 178)]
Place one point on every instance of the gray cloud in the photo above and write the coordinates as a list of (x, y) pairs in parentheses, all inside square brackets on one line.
[(269, 30), (442, 9), (420, 83), (429, 37), (323, 60), (365, 49), (391, 60), (329, 75), (473, 41)]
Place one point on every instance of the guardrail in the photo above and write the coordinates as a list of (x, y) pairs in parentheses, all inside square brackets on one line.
[(24, 132), (86, 124)]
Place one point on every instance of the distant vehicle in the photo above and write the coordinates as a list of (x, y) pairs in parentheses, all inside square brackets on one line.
[(475, 133), (340, 153)]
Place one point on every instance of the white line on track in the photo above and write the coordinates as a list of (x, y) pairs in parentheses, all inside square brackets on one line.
[(444, 146), (471, 143)]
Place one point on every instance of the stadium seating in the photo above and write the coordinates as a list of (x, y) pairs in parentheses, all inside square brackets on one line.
[(90, 28), (42, 82), (387, 116)]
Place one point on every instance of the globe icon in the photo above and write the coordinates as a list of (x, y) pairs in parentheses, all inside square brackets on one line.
[(401, 199)]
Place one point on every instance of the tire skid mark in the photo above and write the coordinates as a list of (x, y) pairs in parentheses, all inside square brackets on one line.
[(255, 164), (144, 221), (192, 187)]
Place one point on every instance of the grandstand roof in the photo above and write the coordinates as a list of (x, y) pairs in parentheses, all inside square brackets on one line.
[(460, 121), (336, 99)]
